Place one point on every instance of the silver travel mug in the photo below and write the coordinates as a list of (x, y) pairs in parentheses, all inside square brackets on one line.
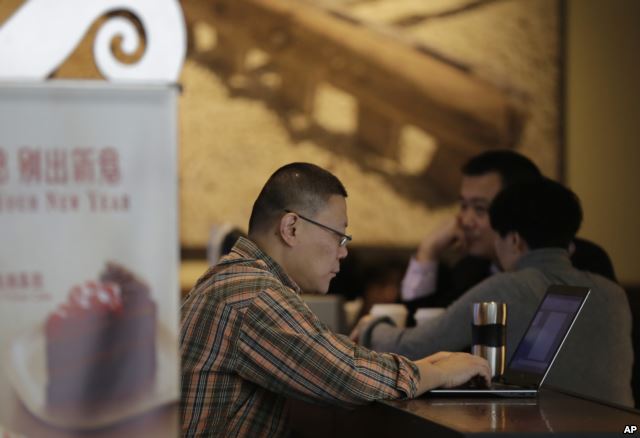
[(489, 334)]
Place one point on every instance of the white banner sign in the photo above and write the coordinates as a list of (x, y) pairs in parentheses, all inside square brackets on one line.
[(88, 259)]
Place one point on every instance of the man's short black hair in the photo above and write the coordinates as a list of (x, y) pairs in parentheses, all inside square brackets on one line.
[(544, 213), (512, 167), (301, 187)]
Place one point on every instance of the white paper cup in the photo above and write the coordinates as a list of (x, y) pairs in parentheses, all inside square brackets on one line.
[(397, 312), (426, 313)]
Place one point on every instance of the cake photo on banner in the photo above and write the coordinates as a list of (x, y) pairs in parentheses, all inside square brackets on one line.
[(101, 343)]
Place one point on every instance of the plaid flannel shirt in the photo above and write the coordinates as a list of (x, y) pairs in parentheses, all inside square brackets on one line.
[(248, 342)]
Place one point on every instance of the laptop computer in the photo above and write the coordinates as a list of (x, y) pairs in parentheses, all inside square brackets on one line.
[(537, 349)]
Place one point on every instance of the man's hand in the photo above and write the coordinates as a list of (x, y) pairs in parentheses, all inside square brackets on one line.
[(357, 330), (449, 236), (447, 370)]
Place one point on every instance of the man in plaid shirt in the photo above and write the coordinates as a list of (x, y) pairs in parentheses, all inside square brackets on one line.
[(248, 341)]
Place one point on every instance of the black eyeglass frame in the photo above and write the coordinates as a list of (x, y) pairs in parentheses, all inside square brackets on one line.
[(344, 238)]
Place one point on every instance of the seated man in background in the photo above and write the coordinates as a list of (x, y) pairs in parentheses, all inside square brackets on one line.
[(248, 341), (534, 222), (430, 282), (381, 285)]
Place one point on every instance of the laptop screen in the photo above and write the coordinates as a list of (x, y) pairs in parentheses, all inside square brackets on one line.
[(547, 330)]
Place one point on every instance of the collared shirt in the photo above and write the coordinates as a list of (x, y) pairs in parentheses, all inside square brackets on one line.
[(248, 341), (421, 279)]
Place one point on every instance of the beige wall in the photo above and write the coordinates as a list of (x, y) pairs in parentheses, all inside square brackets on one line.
[(603, 125), (232, 141)]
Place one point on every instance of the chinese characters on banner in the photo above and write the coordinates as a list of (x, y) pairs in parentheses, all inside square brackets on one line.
[(89, 259), (61, 168)]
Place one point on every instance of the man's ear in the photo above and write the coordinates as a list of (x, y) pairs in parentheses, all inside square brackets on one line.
[(518, 242), (288, 229)]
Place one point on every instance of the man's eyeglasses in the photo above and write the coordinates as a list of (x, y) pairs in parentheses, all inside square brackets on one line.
[(344, 238)]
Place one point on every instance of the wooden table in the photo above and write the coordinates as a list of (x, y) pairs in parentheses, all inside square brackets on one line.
[(552, 412)]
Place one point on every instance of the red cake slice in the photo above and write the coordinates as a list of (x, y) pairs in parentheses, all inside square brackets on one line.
[(100, 344)]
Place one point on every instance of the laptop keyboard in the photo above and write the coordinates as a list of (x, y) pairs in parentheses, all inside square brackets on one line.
[(479, 383)]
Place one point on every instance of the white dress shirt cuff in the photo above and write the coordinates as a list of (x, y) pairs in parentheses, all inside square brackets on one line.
[(420, 280)]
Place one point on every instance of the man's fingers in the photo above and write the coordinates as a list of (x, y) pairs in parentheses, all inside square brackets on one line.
[(355, 335), (461, 367), (484, 369)]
